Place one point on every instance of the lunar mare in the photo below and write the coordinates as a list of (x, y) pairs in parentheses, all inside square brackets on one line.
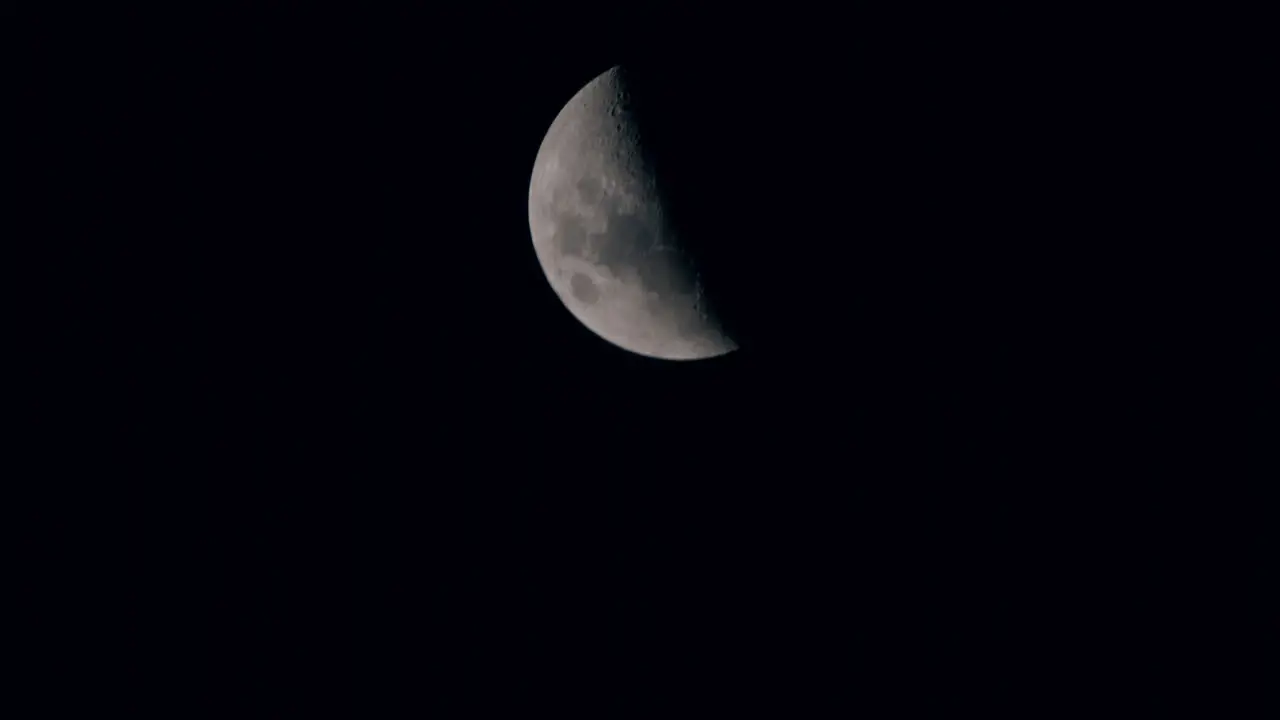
[(607, 248)]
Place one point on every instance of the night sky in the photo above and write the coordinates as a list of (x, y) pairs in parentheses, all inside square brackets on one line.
[(340, 445)]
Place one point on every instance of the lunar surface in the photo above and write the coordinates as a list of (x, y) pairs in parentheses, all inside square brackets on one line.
[(604, 242)]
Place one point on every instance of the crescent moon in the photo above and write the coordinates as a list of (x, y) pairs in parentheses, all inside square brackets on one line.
[(606, 246)]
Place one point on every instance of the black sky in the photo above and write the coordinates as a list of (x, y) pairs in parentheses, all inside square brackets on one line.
[(297, 339)]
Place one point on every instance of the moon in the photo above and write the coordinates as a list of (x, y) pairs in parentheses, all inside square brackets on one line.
[(601, 235)]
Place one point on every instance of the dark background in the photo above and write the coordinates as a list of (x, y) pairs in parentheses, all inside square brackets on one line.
[(325, 438)]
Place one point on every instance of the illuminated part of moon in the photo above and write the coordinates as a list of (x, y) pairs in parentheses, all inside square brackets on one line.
[(602, 238)]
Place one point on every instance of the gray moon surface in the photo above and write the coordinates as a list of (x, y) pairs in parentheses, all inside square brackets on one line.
[(605, 245)]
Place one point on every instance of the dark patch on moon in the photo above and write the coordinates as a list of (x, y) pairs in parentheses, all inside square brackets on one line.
[(663, 272), (584, 289), (631, 248), (570, 235), (589, 190), (626, 240)]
